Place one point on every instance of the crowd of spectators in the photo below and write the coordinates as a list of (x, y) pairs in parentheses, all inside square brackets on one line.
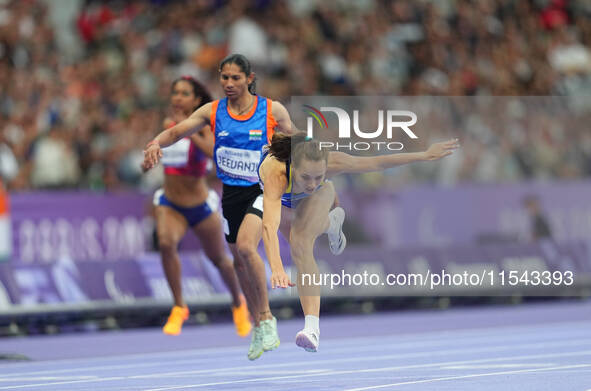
[(77, 114)]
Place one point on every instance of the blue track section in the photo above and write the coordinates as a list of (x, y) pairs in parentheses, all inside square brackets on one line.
[(528, 347)]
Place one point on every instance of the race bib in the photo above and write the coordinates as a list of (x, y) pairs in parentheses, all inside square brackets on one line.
[(177, 154), (239, 163)]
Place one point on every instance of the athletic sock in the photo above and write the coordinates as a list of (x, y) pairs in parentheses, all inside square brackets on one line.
[(312, 323)]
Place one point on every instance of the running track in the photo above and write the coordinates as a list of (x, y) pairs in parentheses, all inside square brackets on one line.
[(527, 347)]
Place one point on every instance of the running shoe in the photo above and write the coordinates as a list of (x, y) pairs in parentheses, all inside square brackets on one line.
[(256, 344), (336, 238), (270, 336), (175, 321), (308, 339), (241, 320)]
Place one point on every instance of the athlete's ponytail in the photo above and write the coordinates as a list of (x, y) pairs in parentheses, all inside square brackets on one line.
[(281, 145), (303, 147)]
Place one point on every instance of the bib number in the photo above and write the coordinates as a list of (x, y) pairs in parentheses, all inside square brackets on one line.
[(238, 163)]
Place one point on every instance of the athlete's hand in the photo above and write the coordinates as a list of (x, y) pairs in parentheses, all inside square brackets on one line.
[(280, 279), (152, 155), (443, 149)]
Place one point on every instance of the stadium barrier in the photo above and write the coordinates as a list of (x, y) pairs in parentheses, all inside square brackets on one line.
[(85, 252)]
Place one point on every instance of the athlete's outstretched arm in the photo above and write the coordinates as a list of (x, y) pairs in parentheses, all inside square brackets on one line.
[(281, 115), (194, 123), (340, 162), (275, 185)]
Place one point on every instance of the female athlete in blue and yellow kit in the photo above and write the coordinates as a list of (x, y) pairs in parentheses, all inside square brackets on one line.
[(185, 201), (242, 123), (294, 171)]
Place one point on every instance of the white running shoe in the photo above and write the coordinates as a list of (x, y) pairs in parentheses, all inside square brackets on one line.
[(336, 238), (308, 339)]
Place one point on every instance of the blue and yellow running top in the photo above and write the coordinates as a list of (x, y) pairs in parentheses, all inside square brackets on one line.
[(239, 140), (288, 199)]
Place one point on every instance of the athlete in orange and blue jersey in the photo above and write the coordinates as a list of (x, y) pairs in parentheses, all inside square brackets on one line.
[(242, 124)]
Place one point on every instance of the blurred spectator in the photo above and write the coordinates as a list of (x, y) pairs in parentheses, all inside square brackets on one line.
[(109, 94), (8, 162), (539, 226), (55, 164)]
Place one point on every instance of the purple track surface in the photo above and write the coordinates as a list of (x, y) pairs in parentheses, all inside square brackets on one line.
[(527, 347)]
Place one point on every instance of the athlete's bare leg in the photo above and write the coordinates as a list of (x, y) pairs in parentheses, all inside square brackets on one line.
[(310, 221), (209, 232), (170, 227), (250, 267)]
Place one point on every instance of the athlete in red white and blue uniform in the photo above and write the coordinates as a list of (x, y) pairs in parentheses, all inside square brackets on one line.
[(186, 202)]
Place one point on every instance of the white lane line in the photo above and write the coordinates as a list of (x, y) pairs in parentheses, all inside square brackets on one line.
[(332, 361), (405, 337), (500, 366), (328, 372), (469, 376), (399, 346), (63, 382), (46, 378), (357, 371)]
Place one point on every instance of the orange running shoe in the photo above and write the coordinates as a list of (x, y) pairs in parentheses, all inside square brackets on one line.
[(175, 321), (241, 320)]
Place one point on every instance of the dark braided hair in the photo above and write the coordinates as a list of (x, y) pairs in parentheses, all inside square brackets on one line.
[(244, 66)]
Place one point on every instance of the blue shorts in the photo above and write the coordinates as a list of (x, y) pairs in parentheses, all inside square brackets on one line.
[(195, 214)]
